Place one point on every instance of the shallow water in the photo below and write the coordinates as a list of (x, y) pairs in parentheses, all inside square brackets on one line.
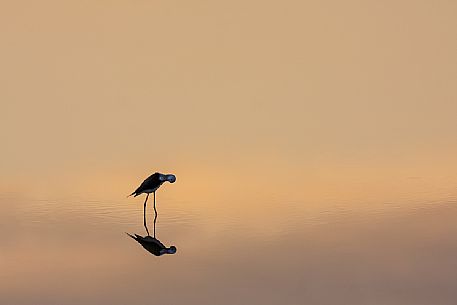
[(74, 250)]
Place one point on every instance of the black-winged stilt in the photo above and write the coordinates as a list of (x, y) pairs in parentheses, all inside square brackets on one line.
[(150, 185), (153, 245)]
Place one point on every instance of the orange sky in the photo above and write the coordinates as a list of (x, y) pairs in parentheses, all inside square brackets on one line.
[(103, 88)]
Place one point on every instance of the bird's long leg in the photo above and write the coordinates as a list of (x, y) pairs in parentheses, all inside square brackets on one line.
[(144, 214), (155, 220), (155, 217)]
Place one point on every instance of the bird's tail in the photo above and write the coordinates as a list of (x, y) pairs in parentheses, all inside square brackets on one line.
[(134, 193), (130, 235)]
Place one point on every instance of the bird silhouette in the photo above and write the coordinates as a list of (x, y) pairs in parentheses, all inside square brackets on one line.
[(153, 245), (150, 185)]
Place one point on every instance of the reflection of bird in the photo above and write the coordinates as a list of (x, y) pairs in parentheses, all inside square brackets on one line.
[(150, 185), (153, 245)]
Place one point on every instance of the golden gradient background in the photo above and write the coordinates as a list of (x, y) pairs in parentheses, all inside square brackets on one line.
[(272, 114)]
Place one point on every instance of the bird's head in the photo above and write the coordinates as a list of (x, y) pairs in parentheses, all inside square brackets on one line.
[(171, 250), (170, 178)]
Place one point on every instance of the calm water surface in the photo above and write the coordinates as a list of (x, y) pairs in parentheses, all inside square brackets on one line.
[(397, 249)]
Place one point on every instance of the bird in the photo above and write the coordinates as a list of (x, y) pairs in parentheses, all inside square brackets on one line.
[(150, 185), (153, 245)]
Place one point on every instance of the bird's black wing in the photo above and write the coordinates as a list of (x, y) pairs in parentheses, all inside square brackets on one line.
[(149, 183)]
